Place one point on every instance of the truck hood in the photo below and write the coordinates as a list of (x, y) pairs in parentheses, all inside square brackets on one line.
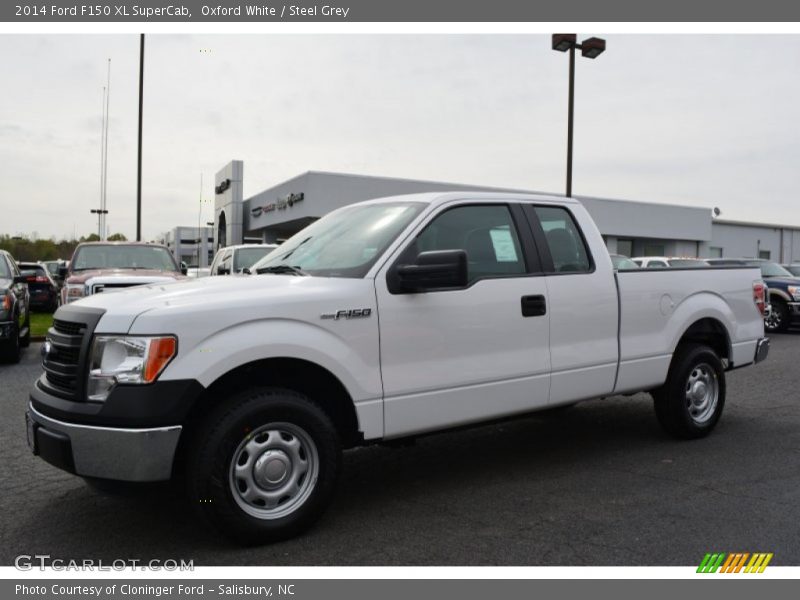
[(211, 302), (83, 276), (778, 282)]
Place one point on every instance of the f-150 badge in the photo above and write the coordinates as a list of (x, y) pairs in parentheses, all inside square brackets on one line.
[(353, 313)]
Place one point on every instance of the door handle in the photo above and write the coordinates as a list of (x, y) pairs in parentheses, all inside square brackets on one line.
[(534, 306)]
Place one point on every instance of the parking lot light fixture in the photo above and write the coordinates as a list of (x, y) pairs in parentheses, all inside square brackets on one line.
[(593, 47), (590, 48), (564, 41)]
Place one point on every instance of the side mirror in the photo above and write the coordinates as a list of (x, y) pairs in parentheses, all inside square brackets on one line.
[(434, 270), (222, 270), (184, 268), (62, 272), (20, 279)]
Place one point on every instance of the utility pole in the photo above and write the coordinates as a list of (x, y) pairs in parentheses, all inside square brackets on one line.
[(139, 167)]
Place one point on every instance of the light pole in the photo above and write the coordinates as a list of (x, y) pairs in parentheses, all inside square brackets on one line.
[(590, 48), (99, 212), (139, 161)]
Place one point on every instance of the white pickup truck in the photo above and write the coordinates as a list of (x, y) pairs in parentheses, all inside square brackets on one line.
[(384, 319)]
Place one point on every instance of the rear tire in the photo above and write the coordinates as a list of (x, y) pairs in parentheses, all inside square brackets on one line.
[(690, 403), (263, 466)]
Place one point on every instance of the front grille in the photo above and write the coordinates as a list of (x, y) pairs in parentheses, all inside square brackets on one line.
[(62, 363), (101, 287), (67, 327)]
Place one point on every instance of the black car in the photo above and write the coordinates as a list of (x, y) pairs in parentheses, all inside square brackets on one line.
[(783, 288), (15, 318), (41, 286)]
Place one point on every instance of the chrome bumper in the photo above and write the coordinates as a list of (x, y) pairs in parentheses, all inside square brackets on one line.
[(762, 350), (104, 452)]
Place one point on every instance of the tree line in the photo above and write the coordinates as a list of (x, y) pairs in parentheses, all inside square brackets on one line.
[(33, 249)]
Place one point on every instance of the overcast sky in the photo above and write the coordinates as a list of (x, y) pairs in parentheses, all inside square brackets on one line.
[(698, 120)]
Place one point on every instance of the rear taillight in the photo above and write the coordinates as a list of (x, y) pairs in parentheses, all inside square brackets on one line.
[(41, 279), (760, 296)]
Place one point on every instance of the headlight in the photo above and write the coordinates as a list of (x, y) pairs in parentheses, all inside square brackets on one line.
[(75, 292), (794, 291), (128, 360)]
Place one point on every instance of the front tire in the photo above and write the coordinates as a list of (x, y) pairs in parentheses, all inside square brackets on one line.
[(11, 352), (778, 319), (264, 466), (690, 403), (25, 341)]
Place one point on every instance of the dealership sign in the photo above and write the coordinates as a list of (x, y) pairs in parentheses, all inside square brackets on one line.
[(223, 185), (280, 204)]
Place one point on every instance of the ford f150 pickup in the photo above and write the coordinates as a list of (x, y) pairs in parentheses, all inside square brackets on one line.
[(111, 266), (385, 319)]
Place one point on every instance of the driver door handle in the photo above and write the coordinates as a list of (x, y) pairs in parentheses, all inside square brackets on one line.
[(534, 306)]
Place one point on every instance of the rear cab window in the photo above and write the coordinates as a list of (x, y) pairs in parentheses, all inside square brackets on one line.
[(564, 240)]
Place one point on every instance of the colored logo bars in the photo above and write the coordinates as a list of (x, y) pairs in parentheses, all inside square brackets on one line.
[(735, 562)]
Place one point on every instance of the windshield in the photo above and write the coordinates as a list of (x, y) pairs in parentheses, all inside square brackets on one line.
[(770, 269), (344, 243), (794, 269), (123, 257), (31, 270), (244, 258), (4, 272), (687, 262)]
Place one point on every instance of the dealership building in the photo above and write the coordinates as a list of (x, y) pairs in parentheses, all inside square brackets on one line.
[(631, 228)]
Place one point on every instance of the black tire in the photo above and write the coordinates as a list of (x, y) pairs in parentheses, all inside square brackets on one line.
[(25, 341), (680, 409), (11, 350), (779, 319), (266, 426)]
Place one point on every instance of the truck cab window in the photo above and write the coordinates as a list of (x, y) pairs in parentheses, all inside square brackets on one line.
[(567, 248), (487, 233)]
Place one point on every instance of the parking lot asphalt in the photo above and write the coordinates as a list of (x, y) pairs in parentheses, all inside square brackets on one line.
[(598, 484)]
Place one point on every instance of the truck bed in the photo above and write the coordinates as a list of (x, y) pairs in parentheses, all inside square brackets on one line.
[(658, 305)]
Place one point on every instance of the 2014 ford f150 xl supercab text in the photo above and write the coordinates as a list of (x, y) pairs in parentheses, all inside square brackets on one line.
[(382, 320)]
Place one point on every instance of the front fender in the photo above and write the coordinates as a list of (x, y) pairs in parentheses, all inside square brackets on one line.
[(354, 361)]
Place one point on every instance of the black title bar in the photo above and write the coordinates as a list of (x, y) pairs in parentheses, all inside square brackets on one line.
[(398, 10)]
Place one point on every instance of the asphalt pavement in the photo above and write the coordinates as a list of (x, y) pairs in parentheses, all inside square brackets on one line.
[(598, 484)]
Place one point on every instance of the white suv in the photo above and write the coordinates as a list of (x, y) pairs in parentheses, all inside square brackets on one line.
[(667, 262), (234, 259)]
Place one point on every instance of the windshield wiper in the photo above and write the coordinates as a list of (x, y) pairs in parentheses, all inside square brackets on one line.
[(281, 269)]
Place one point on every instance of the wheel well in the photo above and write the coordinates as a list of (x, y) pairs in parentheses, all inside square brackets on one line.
[(302, 376), (710, 332), (776, 298)]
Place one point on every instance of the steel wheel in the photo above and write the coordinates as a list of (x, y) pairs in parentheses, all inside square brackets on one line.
[(274, 470), (702, 393), (778, 317), (690, 402)]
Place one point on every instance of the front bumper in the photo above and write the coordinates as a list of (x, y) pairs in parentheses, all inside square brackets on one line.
[(105, 452), (794, 308), (6, 329), (762, 350)]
